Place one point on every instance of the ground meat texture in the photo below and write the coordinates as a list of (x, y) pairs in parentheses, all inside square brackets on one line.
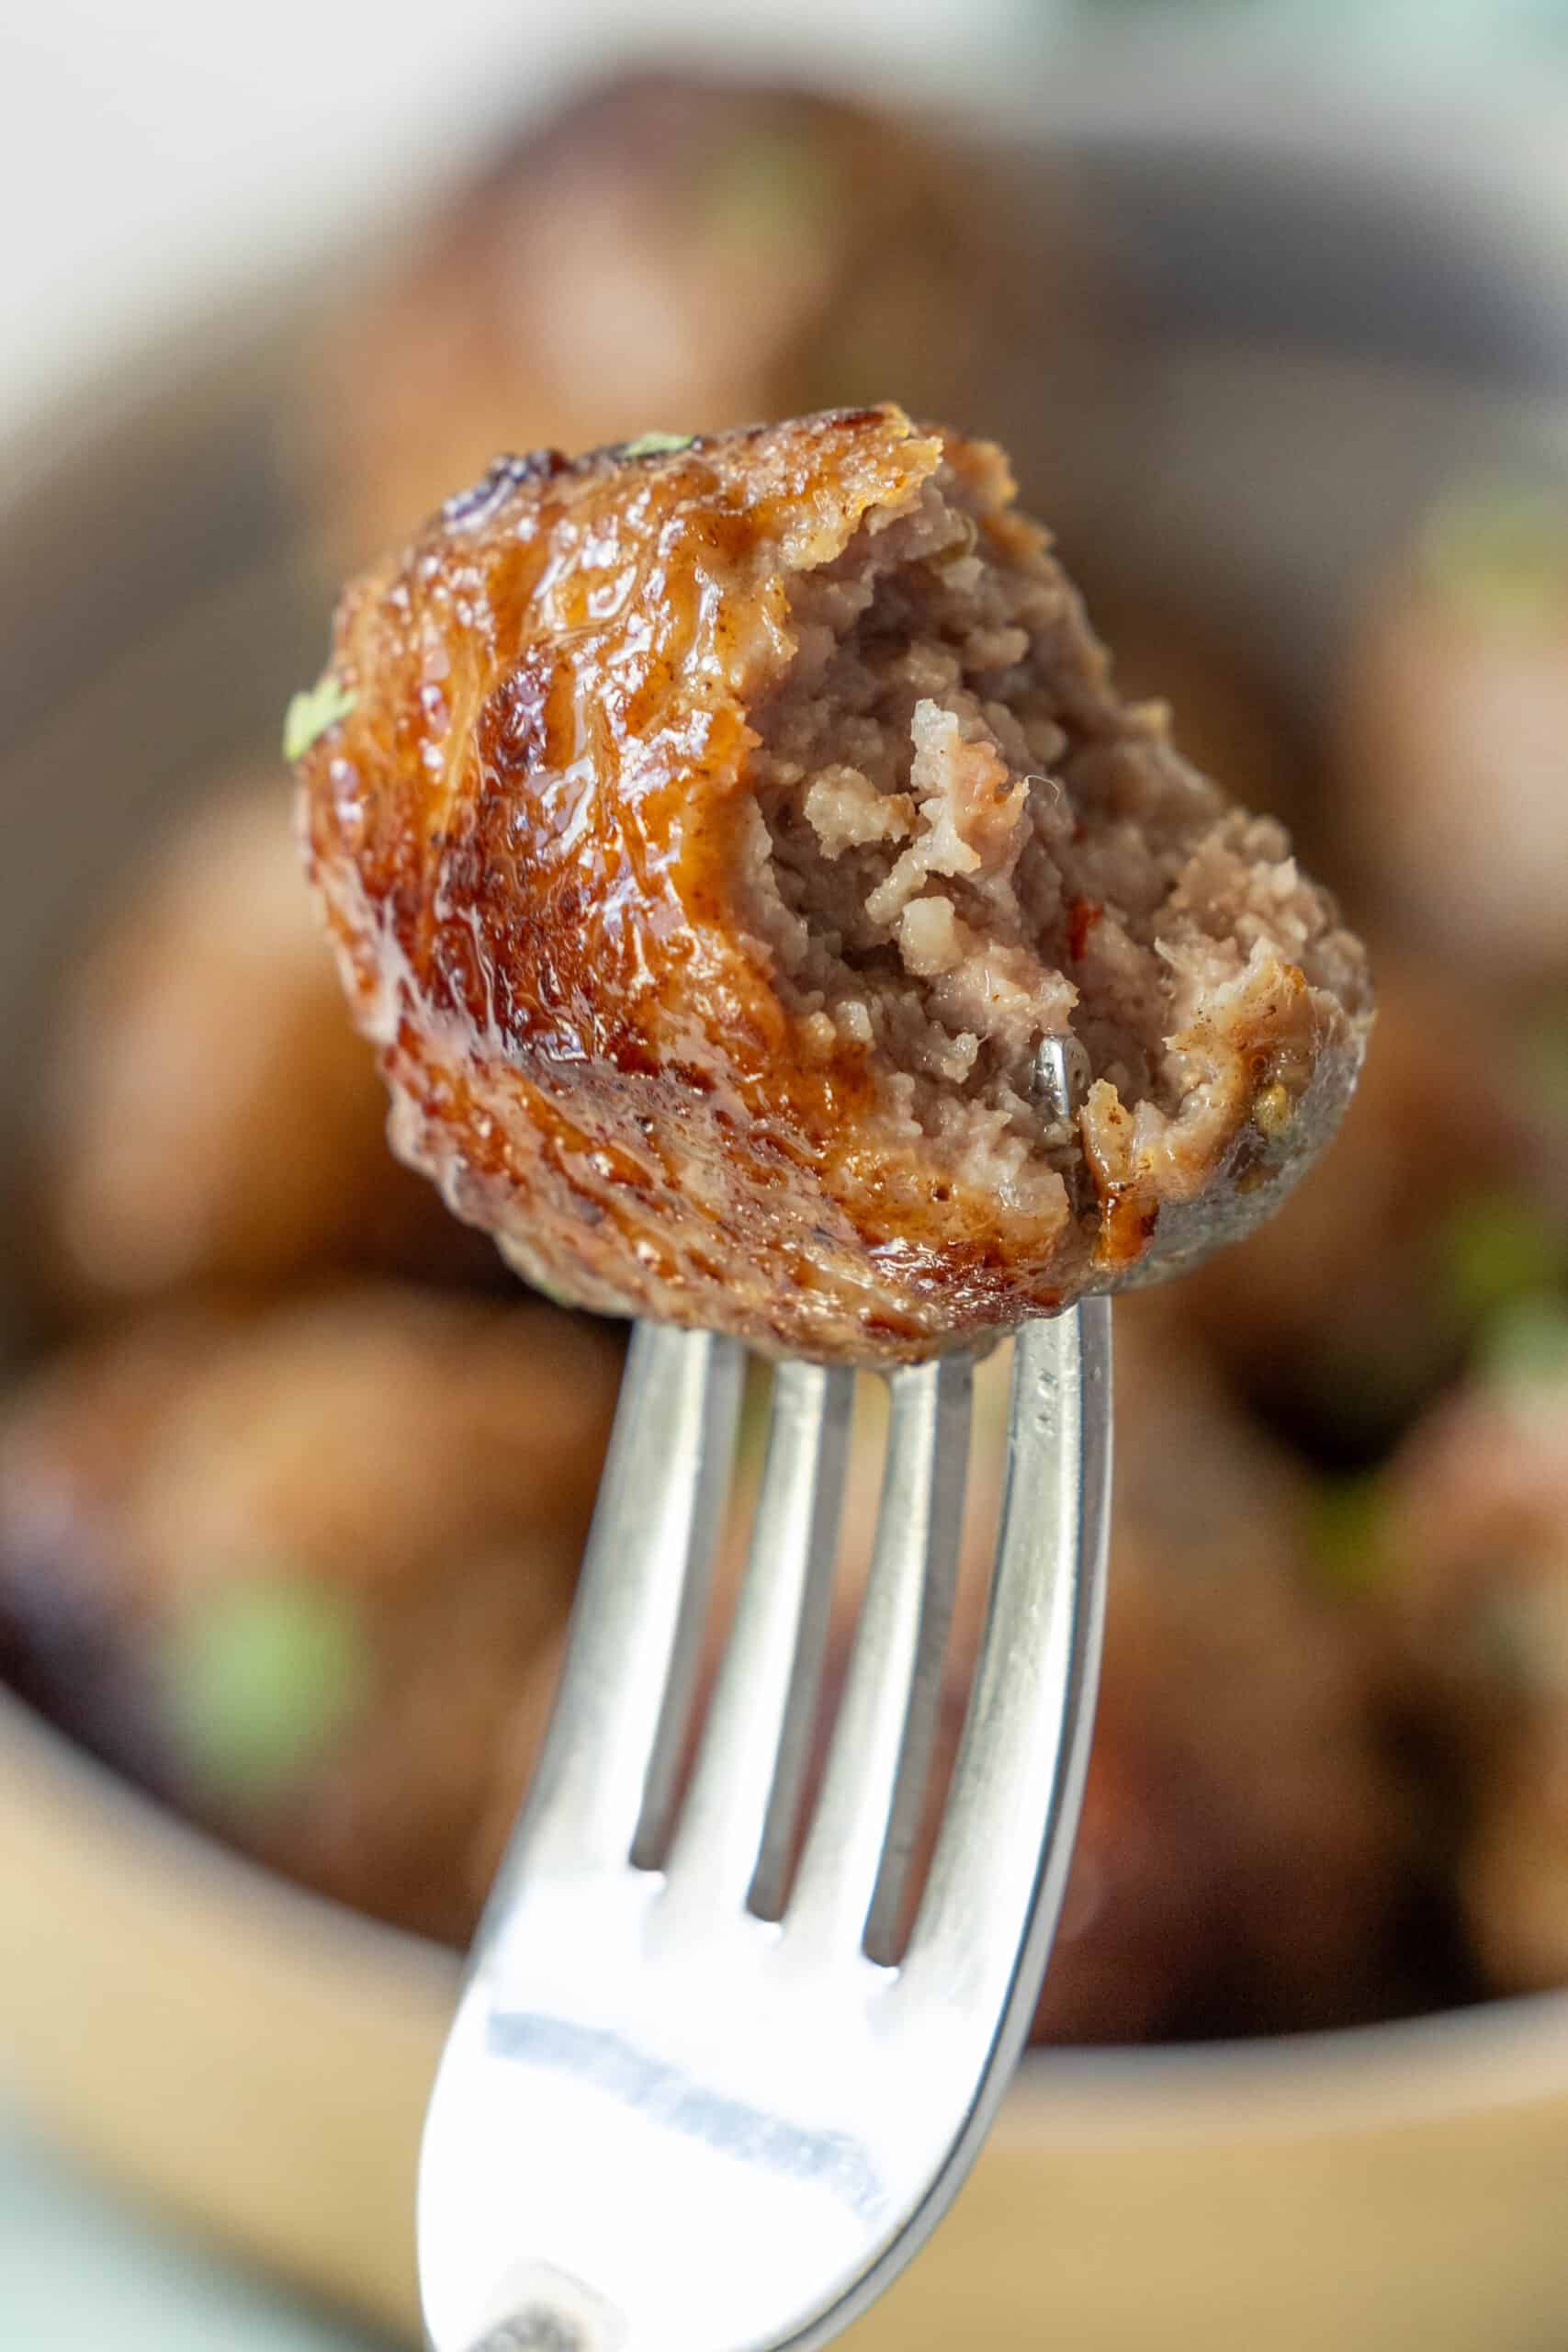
[(712, 839), (1453, 734), (305, 1573), (1446, 1192), (671, 249), (205, 1113), (1466, 1543)]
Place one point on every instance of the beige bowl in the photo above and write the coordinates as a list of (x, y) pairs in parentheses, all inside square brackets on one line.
[(257, 2060)]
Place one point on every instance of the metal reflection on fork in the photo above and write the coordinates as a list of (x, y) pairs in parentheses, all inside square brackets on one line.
[(691, 2103)]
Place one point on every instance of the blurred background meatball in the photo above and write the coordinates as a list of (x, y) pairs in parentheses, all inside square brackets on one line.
[(1446, 1195), (1465, 1544), (680, 253), (305, 1571), (206, 1110), (1453, 733)]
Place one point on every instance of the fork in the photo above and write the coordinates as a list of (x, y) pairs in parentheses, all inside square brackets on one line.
[(695, 2098)]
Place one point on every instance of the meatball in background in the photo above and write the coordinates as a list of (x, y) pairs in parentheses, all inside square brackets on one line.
[(1446, 1194), (206, 1113), (682, 253), (1453, 735), (305, 1573), (1466, 1544)]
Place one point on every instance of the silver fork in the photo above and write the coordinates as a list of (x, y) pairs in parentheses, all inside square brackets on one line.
[(690, 2104)]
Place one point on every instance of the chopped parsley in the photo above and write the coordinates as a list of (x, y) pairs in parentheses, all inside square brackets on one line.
[(310, 714), (657, 445), (260, 1677)]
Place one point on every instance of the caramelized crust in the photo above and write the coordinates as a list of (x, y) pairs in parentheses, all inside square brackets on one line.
[(692, 1046)]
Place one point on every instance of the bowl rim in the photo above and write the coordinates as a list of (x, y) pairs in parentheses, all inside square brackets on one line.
[(1494, 2055)]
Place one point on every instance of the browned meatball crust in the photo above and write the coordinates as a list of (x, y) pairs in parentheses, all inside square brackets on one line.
[(712, 836), (206, 1113), (670, 249), (305, 1573)]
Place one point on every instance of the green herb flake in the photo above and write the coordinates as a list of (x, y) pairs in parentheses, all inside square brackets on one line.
[(1494, 1250), (657, 445), (1349, 1542), (1499, 553), (1525, 1350), (311, 713), (260, 1677)]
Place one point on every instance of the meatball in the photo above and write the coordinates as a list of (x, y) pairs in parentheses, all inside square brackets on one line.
[(668, 248), (1244, 1860), (1467, 1544), (207, 1114), (305, 1573), (1453, 721), (714, 835), (1446, 1193)]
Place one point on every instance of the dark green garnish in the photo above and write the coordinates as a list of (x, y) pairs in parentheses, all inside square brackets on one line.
[(311, 713), (260, 1678)]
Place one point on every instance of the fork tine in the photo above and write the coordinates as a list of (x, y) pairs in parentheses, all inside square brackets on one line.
[(850, 1873), (1000, 1864), (737, 1819), (606, 1775)]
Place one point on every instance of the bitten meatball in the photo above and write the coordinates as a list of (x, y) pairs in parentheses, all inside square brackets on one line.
[(207, 1114), (1245, 1861), (667, 249), (1446, 1194), (305, 1573), (714, 835), (1467, 1538), (1454, 733)]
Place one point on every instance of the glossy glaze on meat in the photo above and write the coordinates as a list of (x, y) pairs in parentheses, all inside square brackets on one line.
[(636, 1014)]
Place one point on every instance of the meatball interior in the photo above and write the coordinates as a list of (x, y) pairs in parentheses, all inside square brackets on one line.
[(715, 834)]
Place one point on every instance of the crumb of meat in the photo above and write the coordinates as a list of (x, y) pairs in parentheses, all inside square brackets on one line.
[(963, 845)]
